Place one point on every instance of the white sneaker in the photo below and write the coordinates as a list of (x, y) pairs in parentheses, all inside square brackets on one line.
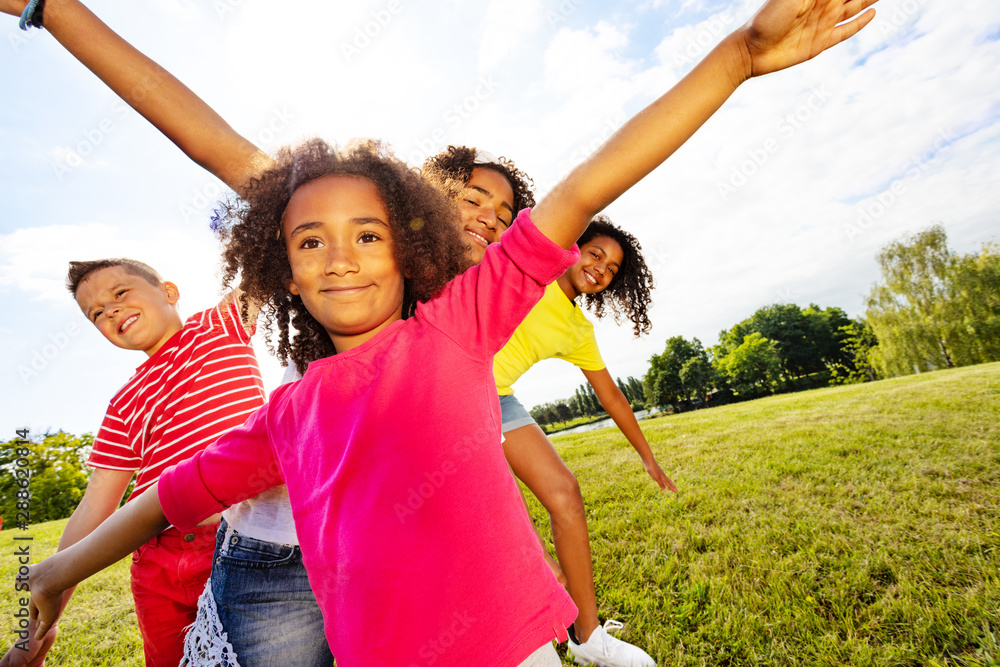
[(604, 650)]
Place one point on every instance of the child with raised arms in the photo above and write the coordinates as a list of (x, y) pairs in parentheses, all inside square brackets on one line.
[(326, 227), (611, 274), (245, 619)]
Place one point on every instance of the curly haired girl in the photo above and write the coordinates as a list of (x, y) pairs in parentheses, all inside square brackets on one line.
[(489, 191), (389, 447), (429, 255)]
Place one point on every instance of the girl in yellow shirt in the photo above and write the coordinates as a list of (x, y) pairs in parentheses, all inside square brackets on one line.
[(611, 274)]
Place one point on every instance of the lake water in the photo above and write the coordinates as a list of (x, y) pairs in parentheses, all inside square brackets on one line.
[(604, 423)]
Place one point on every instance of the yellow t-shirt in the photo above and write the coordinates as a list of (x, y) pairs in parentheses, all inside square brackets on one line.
[(555, 327)]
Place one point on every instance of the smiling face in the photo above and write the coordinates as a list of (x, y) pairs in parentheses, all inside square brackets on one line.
[(340, 248), (128, 310), (486, 206), (600, 259)]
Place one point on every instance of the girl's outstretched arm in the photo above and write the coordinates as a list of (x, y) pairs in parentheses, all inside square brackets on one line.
[(124, 532), (618, 408), (152, 91), (781, 34)]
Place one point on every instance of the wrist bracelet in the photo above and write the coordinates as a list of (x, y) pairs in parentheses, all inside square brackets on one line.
[(32, 15)]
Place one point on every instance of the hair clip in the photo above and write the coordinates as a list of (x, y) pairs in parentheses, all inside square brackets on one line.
[(485, 157)]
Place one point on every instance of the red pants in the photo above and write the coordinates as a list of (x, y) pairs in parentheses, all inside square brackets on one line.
[(168, 575)]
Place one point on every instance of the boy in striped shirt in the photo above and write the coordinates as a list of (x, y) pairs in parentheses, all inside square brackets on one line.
[(200, 380)]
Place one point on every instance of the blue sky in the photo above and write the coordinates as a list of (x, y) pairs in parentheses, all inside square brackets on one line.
[(785, 196)]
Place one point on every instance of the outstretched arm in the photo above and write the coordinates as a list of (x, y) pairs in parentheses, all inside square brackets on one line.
[(781, 34), (152, 91), (124, 532), (618, 408)]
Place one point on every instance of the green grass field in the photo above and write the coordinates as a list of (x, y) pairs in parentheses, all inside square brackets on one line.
[(852, 525)]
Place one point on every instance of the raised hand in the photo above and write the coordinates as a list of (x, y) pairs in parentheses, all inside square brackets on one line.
[(787, 32)]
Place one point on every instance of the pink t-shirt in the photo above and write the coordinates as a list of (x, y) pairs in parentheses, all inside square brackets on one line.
[(412, 531)]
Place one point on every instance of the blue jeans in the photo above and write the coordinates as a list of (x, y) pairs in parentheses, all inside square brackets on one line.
[(513, 415), (266, 606)]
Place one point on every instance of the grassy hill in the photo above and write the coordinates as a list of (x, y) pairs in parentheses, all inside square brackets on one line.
[(852, 525)]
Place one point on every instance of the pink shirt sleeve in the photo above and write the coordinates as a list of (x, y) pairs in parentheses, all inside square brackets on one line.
[(480, 309), (239, 465)]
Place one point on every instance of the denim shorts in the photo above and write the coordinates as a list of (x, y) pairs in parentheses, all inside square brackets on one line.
[(265, 604), (512, 414)]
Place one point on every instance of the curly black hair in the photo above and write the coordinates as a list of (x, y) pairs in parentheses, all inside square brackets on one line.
[(426, 240), (628, 293), (451, 169)]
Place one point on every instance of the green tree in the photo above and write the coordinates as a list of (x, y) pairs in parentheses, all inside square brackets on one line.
[(562, 411), (663, 383), (854, 364), (697, 377), (58, 475), (753, 368), (975, 306), (638, 396), (805, 340), (933, 308), (543, 414)]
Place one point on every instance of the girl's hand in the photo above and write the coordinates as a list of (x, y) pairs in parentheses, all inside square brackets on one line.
[(44, 608), (37, 650), (787, 32), (653, 469), (553, 565)]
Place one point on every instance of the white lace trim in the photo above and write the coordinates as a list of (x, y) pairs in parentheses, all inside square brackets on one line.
[(206, 643)]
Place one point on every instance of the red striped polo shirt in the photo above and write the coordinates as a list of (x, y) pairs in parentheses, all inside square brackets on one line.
[(201, 383)]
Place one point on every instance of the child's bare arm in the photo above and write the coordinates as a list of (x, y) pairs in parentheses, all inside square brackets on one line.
[(124, 532), (104, 492), (783, 33), (618, 408), (152, 91)]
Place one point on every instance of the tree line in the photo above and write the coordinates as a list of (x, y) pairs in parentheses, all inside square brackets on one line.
[(933, 308), (584, 403)]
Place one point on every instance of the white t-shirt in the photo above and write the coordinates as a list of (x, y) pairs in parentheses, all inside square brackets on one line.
[(268, 516)]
